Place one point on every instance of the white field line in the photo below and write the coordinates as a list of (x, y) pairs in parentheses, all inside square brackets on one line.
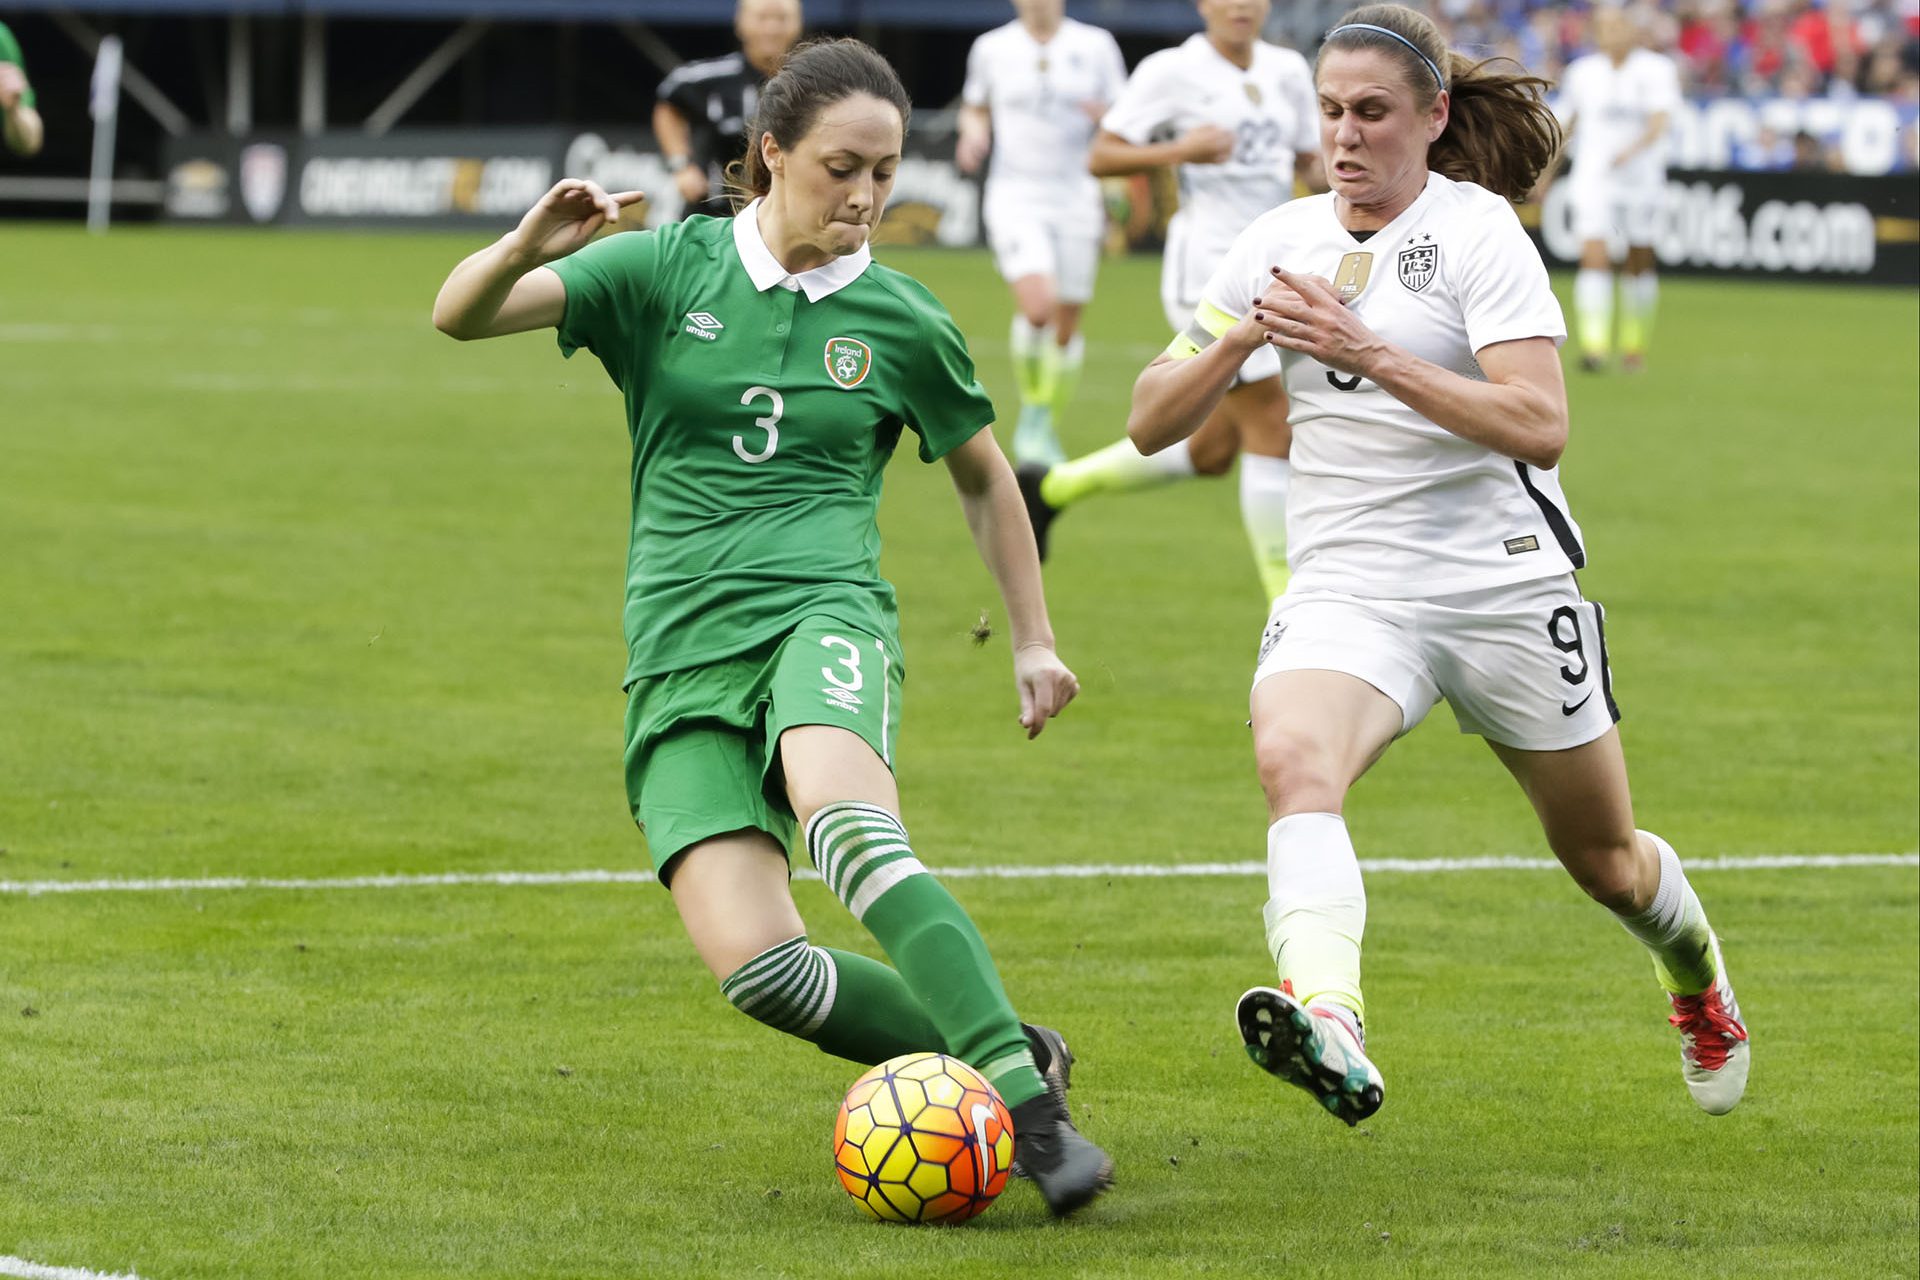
[(11, 1266), (1062, 871)]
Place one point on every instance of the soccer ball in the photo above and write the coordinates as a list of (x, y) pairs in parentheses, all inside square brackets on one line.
[(923, 1138)]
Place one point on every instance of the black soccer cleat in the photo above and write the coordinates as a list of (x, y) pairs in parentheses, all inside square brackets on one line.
[(1055, 1063), (1052, 1058), (1040, 513), (1069, 1170)]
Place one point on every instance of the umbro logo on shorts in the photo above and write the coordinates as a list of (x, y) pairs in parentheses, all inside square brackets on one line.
[(845, 699), (704, 324)]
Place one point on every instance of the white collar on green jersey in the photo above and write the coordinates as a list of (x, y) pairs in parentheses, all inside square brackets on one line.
[(765, 270)]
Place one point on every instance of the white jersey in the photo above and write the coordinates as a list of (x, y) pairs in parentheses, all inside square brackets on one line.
[(1610, 107), (1045, 100), (1270, 108), (1383, 503)]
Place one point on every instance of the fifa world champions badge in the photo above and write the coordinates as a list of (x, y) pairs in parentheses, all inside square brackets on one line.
[(1351, 278), (849, 360)]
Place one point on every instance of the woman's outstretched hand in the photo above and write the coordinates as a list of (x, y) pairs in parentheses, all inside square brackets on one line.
[(567, 217)]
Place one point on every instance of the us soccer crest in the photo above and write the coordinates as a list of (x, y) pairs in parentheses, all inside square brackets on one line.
[(1418, 262), (849, 360)]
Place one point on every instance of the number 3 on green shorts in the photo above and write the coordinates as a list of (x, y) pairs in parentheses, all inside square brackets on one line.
[(829, 673)]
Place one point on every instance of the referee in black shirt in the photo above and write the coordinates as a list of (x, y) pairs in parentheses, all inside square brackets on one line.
[(701, 117)]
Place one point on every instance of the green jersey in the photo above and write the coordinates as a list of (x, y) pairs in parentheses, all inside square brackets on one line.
[(763, 408), (10, 52)]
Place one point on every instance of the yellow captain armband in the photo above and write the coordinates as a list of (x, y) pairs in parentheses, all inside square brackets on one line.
[(1208, 324)]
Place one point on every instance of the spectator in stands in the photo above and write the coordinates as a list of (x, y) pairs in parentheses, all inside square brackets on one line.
[(700, 119), (1810, 154), (19, 118)]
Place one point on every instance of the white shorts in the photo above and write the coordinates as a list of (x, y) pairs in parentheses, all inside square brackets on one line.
[(1618, 211), (1181, 273), (1523, 665), (1033, 238)]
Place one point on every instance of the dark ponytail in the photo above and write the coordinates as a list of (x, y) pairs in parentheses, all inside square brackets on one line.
[(814, 76), (1500, 131)]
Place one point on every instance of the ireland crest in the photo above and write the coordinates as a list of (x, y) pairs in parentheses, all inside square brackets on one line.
[(848, 361), (1417, 263)]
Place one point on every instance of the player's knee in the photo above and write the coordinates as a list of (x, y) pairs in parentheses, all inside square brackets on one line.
[(1610, 875), (1297, 772), (1213, 458)]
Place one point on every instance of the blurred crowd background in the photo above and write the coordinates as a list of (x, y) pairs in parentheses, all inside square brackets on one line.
[(1756, 48)]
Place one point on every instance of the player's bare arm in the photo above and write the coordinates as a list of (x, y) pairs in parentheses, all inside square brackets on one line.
[(976, 138), (1112, 156), (1178, 392), (1656, 129), (1520, 411), (998, 519), (498, 290), (670, 128)]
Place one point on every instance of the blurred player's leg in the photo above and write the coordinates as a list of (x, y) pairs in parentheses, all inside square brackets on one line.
[(1584, 806), (1593, 221), (1265, 439), (1036, 362), (1077, 261), (1121, 468), (1639, 295), (1593, 306)]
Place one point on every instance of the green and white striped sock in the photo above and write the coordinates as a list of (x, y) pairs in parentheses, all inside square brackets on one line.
[(863, 854), (848, 1005)]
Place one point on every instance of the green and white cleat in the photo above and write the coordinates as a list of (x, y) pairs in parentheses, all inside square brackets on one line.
[(1034, 439), (1311, 1048), (1714, 1054)]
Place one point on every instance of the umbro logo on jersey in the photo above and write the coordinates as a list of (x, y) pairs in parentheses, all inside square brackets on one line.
[(1418, 262), (704, 324)]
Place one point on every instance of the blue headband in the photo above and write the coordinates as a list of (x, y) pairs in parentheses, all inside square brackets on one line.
[(1368, 26)]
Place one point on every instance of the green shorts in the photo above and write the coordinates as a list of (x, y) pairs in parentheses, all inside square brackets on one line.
[(703, 745)]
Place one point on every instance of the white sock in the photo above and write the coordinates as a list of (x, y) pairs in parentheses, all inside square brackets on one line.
[(1316, 910), (1639, 293), (1675, 928), (1263, 509)]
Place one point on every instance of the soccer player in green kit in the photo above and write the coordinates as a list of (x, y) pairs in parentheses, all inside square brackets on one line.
[(769, 368)]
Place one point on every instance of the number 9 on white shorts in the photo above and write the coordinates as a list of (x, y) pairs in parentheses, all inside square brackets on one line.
[(1524, 664)]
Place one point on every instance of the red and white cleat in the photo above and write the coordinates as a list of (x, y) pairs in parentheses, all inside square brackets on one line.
[(1714, 1054)]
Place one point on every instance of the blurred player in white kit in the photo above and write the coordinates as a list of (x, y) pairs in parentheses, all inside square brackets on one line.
[(1616, 104), (1036, 88), (1237, 120)]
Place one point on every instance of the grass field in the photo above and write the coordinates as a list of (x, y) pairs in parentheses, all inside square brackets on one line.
[(291, 586)]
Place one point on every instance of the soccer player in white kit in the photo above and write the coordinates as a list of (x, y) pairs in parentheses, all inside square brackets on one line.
[(1236, 118), (1617, 103), (1433, 549), (1035, 90)]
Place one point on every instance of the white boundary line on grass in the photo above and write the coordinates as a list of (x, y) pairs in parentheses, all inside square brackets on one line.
[(12, 1266), (1058, 871)]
